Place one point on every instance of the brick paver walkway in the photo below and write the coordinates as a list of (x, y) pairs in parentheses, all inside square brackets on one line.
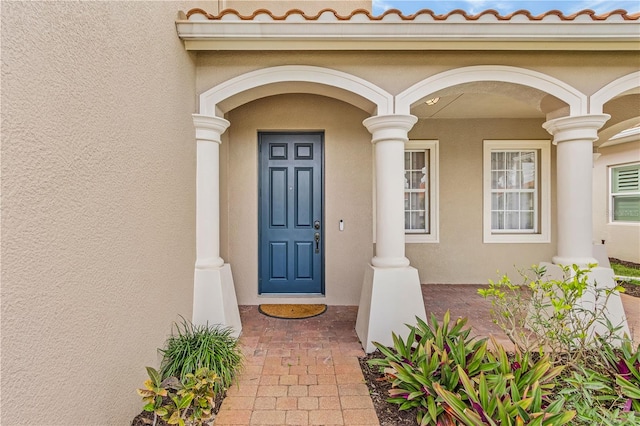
[(299, 372), (306, 372)]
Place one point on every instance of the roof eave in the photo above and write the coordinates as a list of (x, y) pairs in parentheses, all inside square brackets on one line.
[(279, 35)]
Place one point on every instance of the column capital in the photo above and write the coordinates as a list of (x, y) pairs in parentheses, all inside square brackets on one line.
[(209, 128), (576, 127), (389, 127)]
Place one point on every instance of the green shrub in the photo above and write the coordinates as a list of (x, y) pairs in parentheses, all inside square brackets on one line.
[(547, 315), (602, 381), (594, 397), (153, 393), (191, 403), (192, 347), (625, 364), (515, 392), (450, 377), (430, 355)]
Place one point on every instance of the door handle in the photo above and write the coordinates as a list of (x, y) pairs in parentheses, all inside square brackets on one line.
[(317, 239)]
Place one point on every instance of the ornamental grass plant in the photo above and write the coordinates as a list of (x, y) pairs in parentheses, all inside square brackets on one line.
[(191, 347)]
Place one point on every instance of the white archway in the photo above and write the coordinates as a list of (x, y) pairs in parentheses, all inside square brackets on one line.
[(214, 299), (292, 78), (613, 89), (576, 100)]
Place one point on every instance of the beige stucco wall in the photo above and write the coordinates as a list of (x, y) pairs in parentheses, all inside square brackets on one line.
[(98, 205), (582, 70), (348, 191), (622, 240), (461, 256)]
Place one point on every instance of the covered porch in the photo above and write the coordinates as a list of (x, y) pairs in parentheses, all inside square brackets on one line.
[(504, 181)]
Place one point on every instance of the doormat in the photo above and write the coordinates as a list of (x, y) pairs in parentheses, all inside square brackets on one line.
[(289, 311)]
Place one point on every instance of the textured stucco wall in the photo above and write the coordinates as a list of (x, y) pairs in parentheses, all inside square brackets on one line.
[(583, 70), (98, 204), (622, 240), (461, 256)]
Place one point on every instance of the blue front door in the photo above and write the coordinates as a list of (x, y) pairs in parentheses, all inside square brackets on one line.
[(290, 213)]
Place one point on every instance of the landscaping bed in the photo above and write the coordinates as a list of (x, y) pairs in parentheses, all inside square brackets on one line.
[(630, 288), (388, 413), (625, 268), (145, 418), (440, 375), (199, 362)]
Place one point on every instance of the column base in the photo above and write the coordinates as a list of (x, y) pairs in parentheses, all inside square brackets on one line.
[(568, 261), (390, 298), (390, 262), (214, 298), (603, 279)]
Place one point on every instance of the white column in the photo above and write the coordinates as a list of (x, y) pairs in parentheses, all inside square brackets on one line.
[(574, 136), (389, 134), (214, 296), (391, 294), (209, 132)]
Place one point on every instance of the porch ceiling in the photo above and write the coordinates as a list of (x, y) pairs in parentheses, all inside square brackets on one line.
[(487, 99), (476, 105)]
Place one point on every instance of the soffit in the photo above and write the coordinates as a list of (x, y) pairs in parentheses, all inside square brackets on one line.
[(484, 99), (424, 30)]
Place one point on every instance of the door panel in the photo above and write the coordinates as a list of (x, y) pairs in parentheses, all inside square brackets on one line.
[(278, 198), (278, 259), (291, 251), (304, 197)]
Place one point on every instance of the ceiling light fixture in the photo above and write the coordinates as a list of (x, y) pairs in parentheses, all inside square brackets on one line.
[(432, 101)]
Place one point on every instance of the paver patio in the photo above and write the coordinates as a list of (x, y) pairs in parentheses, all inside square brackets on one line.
[(306, 372)]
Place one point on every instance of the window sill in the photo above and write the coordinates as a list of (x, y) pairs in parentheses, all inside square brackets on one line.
[(420, 238), (516, 238)]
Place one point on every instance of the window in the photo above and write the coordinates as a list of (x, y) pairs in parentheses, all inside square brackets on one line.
[(625, 193), (420, 191), (516, 191)]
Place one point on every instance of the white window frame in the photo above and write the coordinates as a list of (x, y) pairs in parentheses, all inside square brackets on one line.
[(433, 199), (612, 195), (543, 212)]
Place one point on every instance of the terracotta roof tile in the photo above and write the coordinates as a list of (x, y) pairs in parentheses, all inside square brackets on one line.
[(422, 13)]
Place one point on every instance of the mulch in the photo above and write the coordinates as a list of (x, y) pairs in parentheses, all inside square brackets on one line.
[(388, 414), (631, 289)]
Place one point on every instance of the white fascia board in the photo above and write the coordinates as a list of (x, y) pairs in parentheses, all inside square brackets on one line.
[(279, 35)]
